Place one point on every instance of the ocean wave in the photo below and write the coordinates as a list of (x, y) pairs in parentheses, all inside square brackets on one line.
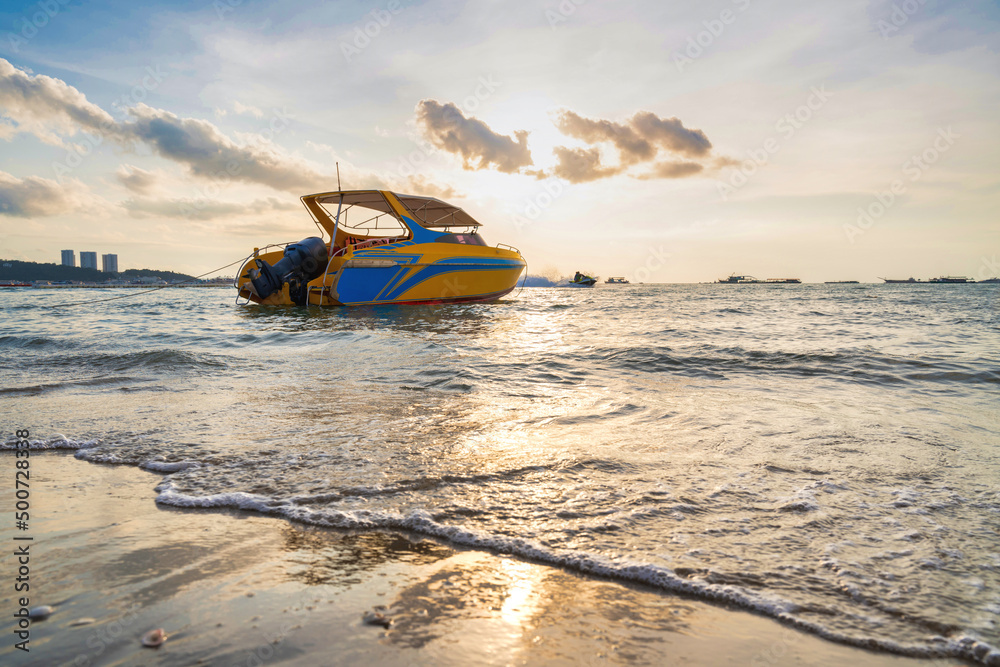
[(866, 367), (162, 359), (55, 386), (716, 587), (36, 342)]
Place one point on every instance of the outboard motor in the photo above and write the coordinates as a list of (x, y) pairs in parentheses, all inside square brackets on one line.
[(303, 261)]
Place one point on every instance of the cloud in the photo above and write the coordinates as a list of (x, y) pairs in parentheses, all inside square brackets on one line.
[(140, 207), (639, 140), (671, 134), (421, 186), (210, 154), (135, 179), (937, 28), (579, 165), (631, 147), (47, 107), (247, 109), (447, 128), (672, 170), (36, 197)]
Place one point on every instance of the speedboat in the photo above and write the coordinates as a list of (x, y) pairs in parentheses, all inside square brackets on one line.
[(616, 281), (380, 247), (582, 280)]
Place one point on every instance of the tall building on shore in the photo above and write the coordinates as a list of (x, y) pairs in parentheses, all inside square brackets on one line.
[(88, 260), (68, 258), (109, 263)]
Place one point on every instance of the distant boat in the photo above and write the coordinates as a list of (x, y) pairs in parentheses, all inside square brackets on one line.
[(616, 281), (951, 279), (990, 280), (750, 280), (942, 279), (582, 280), (740, 280)]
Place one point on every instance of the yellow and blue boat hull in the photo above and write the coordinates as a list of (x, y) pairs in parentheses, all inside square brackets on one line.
[(426, 273)]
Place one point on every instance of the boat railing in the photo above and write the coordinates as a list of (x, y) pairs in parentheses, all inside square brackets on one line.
[(379, 241), (326, 274), (509, 247), (385, 240)]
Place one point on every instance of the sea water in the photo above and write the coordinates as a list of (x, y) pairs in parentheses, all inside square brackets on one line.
[(828, 455)]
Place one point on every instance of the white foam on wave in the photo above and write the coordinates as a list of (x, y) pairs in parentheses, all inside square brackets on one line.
[(169, 466), (57, 441), (96, 456), (623, 569)]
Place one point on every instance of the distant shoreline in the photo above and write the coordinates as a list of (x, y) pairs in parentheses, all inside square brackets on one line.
[(17, 271)]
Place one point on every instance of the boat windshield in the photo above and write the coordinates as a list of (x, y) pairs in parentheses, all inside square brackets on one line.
[(364, 221)]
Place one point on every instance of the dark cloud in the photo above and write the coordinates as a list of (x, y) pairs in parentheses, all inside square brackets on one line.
[(447, 128), (210, 154), (638, 140), (36, 197)]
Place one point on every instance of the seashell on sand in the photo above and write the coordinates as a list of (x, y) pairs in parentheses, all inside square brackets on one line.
[(154, 638), (40, 613), (376, 618)]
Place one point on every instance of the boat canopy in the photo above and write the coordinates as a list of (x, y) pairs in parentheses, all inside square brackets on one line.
[(428, 212)]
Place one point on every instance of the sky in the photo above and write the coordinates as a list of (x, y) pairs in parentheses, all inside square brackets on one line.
[(661, 141)]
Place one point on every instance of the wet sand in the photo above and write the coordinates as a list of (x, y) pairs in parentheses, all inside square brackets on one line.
[(236, 588)]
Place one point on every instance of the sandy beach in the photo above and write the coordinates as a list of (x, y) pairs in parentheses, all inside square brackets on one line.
[(235, 588)]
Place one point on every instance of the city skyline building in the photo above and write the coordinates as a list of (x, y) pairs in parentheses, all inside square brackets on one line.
[(109, 263), (88, 259), (68, 258)]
